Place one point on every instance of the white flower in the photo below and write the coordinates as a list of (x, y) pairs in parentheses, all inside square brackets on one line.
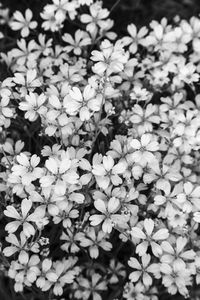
[(95, 240), (142, 270), (47, 276), (23, 23), (85, 104), (61, 173), (108, 211), (111, 58), (66, 272), (66, 213), (135, 38), (33, 105), (28, 81), (143, 149), (95, 18), (90, 287), (107, 172), (51, 22), (27, 169), (137, 290), (25, 54), (176, 279), (140, 94), (24, 271), (189, 199), (56, 13), (22, 219), (6, 112), (149, 238), (80, 40), (187, 73), (144, 118), (196, 216), (19, 245), (175, 254)]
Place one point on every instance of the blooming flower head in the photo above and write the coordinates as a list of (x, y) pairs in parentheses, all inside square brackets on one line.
[(66, 211), (19, 245), (27, 169), (66, 272), (23, 219), (80, 40), (111, 58), (28, 81), (33, 105), (46, 275), (188, 74), (6, 113), (117, 271), (176, 254), (61, 172), (94, 241), (90, 287), (107, 172), (95, 18), (189, 199), (176, 279), (143, 149), (24, 271), (135, 37), (108, 211), (22, 23), (140, 94), (143, 269), (144, 118), (149, 238), (131, 289), (86, 104)]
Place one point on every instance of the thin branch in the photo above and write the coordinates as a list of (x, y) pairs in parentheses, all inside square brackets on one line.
[(114, 5)]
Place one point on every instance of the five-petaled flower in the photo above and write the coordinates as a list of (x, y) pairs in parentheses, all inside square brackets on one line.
[(108, 172), (143, 149), (108, 216), (24, 218), (149, 237), (27, 169), (22, 23), (143, 269), (86, 104)]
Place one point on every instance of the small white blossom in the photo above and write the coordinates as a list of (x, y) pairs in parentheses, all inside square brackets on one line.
[(23, 23)]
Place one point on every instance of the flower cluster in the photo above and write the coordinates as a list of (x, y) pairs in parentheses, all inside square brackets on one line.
[(99, 155)]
